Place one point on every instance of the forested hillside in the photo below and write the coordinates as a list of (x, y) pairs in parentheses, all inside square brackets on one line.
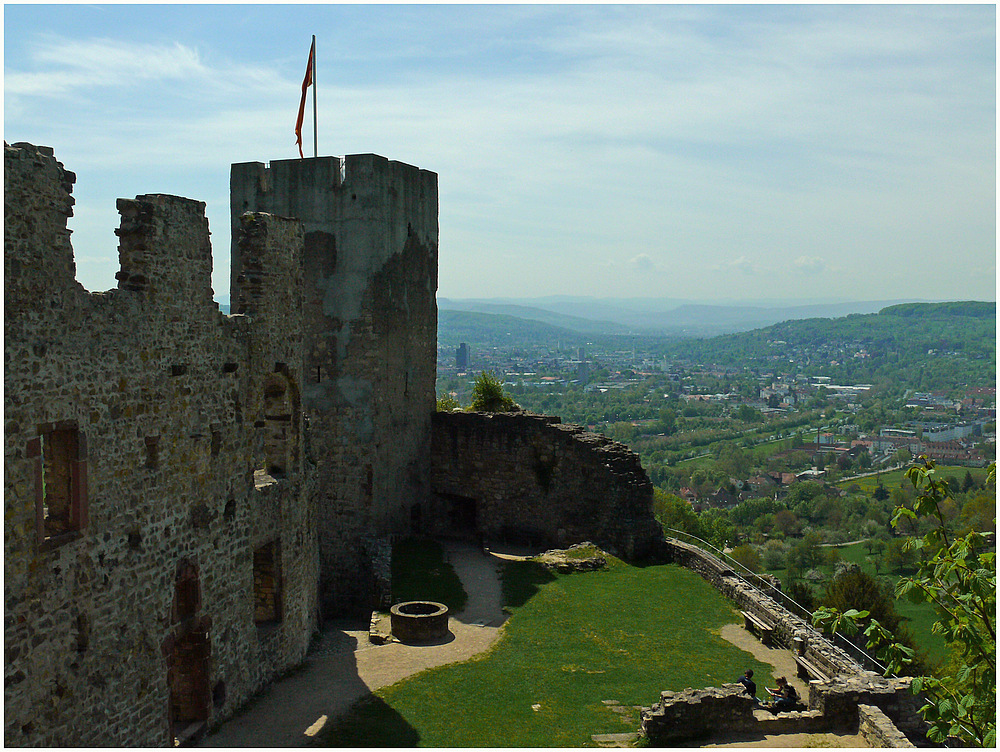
[(936, 343)]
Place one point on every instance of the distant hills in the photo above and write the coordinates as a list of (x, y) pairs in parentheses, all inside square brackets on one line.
[(912, 332), (652, 316)]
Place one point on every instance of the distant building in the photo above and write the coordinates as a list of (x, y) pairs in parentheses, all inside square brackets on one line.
[(462, 357)]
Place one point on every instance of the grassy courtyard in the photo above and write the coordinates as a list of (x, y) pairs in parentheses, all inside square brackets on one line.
[(573, 642)]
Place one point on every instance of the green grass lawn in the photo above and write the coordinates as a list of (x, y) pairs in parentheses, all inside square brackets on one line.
[(573, 641), (896, 478)]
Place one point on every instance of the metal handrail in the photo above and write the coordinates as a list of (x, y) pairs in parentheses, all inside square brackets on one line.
[(755, 581)]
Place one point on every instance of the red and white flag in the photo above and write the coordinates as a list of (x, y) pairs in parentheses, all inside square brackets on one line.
[(306, 83)]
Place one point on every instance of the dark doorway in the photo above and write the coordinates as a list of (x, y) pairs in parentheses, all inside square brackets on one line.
[(463, 517), (190, 690), (188, 654)]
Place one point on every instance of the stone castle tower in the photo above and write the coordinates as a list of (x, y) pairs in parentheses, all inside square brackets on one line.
[(370, 345)]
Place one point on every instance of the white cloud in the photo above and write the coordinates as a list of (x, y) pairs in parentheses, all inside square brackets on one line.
[(810, 265), (76, 68), (642, 264), (743, 265)]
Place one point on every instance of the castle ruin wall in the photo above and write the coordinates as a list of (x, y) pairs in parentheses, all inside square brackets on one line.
[(156, 574), (531, 478), (836, 699)]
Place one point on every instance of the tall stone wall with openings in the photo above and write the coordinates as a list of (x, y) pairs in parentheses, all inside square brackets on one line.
[(521, 477), (370, 329), (159, 544)]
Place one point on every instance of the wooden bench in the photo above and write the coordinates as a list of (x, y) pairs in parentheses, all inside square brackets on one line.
[(807, 670), (752, 624)]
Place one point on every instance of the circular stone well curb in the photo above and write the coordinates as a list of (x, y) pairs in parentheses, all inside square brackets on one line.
[(419, 621)]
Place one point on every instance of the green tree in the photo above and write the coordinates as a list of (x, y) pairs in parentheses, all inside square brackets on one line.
[(774, 555), (967, 482), (896, 556), (805, 554), (902, 456), (979, 514), (673, 513), (957, 576), (747, 555), (786, 521), (855, 588), (802, 593), (488, 396)]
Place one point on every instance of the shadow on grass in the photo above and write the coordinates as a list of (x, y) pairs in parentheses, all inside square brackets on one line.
[(370, 722), (421, 573), (522, 580)]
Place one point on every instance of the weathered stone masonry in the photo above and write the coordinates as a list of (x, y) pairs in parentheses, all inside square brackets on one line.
[(519, 476), (137, 540), (370, 338)]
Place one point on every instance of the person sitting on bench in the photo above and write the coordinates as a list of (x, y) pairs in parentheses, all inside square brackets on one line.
[(784, 696)]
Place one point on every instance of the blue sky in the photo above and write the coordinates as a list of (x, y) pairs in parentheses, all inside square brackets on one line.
[(711, 153)]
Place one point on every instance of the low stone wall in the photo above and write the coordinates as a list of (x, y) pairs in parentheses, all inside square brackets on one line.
[(878, 730), (790, 631), (697, 713), (837, 700), (840, 699), (877, 709), (529, 478)]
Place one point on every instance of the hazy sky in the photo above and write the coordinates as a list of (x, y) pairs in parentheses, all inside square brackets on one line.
[(702, 152)]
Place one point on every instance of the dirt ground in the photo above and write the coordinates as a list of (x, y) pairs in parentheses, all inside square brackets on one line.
[(344, 667)]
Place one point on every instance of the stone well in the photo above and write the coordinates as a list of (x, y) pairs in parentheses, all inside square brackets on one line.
[(419, 621)]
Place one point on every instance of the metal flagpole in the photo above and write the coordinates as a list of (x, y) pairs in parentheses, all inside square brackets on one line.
[(315, 137)]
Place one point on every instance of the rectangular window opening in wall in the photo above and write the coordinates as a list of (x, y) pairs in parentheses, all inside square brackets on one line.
[(152, 452), (267, 584), (60, 482)]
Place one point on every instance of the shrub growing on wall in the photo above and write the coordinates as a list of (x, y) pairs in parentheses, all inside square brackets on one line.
[(488, 396)]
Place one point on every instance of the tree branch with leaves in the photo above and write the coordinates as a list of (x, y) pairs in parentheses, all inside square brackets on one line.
[(957, 576)]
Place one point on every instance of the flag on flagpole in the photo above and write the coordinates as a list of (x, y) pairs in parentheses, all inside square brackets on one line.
[(306, 83)]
